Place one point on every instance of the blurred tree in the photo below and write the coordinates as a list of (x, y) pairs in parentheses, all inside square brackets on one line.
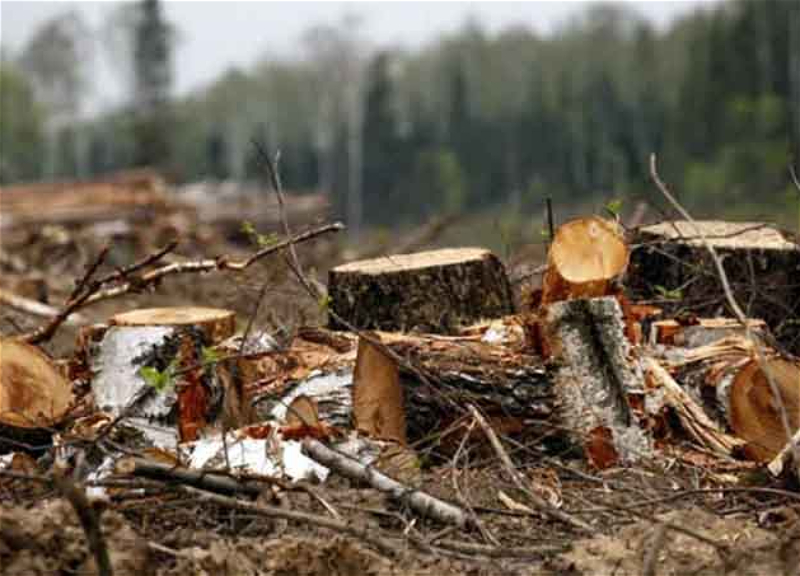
[(153, 73), (21, 128), (54, 60)]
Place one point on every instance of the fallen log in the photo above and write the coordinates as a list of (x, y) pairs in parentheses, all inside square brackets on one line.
[(585, 259), (598, 380), (34, 396), (419, 501), (731, 382), (671, 265), (700, 331), (435, 292)]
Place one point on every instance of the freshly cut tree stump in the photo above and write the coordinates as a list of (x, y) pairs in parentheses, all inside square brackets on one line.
[(598, 380), (215, 323), (435, 292), (586, 257), (761, 262), (34, 396), (160, 377)]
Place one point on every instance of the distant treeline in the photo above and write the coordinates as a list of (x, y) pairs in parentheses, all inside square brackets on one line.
[(477, 119)]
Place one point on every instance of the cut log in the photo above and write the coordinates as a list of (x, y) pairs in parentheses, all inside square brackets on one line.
[(378, 409), (512, 388), (586, 257), (755, 413), (728, 378), (435, 292), (700, 332), (598, 381), (158, 377), (215, 323), (761, 262), (34, 396)]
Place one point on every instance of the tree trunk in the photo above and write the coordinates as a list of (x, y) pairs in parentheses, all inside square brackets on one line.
[(434, 292), (598, 380)]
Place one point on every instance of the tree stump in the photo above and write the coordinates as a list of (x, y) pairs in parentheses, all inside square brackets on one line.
[(34, 396), (598, 381), (671, 265), (586, 257), (434, 292), (160, 374)]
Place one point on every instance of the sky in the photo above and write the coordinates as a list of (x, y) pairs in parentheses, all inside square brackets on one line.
[(216, 35)]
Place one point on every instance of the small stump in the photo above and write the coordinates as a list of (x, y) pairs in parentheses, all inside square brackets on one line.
[(436, 292)]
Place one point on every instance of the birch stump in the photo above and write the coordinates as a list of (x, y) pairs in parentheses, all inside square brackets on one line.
[(762, 264), (152, 366), (598, 381), (434, 292), (34, 396)]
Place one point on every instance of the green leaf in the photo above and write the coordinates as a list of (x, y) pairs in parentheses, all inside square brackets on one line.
[(614, 207)]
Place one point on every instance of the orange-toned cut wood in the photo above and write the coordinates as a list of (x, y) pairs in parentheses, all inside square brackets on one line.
[(755, 413), (378, 408), (33, 392), (218, 324), (586, 256)]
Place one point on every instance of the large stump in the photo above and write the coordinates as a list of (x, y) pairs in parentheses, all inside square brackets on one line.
[(671, 265), (434, 292), (34, 396)]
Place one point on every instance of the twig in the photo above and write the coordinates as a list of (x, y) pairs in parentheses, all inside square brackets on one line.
[(89, 521), (81, 284), (538, 502), (651, 553), (34, 307), (417, 500), (795, 179), (154, 276), (143, 468), (734, 305)]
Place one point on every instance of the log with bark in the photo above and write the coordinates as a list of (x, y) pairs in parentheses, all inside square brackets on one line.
[(670, 264), (585, 259), (434, 292), (34, 396), (730, 380)]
